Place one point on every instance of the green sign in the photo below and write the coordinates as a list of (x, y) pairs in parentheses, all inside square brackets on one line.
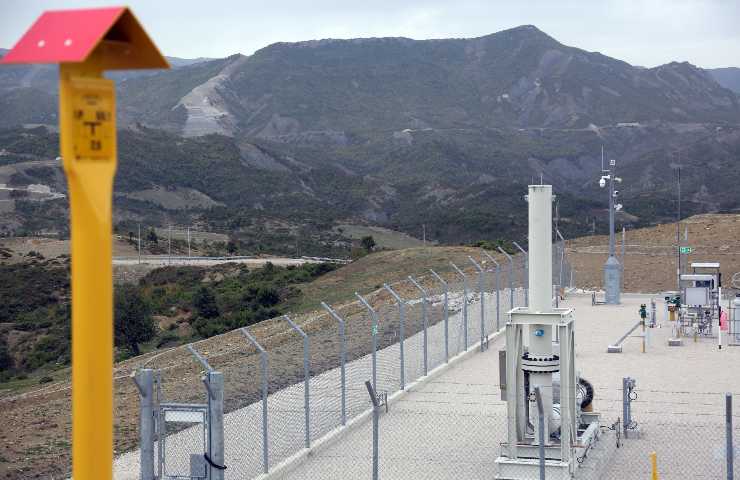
[(375, 330), (686, 249)]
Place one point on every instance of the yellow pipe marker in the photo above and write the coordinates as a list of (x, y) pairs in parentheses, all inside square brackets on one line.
[(85, 42), (88, 146)]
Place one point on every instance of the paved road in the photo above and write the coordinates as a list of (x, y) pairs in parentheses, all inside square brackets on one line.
[(163, 260)]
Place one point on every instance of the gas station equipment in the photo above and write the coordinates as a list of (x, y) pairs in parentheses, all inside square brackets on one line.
[(700, 295), (533, 360)]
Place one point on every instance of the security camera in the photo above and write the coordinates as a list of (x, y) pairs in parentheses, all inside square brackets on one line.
[(618, 179), (616, 192), (618, 207), (602, 182)]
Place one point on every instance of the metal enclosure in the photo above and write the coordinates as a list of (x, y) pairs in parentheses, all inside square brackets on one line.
[(700, 301)]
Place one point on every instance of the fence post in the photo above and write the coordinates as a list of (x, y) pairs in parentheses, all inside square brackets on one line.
[(446, 315), (374, 331), (401, 331), (525, 274), (540, 430), (342, 360), (306, 379), (263, 367), (481, 290), (730, 448), (498, 289), (424, 321), (376, 421), (511, 277), (144, 380), (215, 381), (628, 384), (465, 305)]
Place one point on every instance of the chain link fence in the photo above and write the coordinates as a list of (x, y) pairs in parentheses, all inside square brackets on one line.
[(293, 386), (316, 386)]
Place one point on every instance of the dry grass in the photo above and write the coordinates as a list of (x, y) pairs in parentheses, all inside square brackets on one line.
[(650, 264)]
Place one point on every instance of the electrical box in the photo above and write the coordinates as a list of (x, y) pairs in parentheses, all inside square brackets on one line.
[(696, 296)]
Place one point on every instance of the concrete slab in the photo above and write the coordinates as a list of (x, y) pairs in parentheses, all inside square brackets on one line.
[(451, 427)]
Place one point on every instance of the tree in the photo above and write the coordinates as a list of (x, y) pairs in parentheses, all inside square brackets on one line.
[(205, 303), (368, 243), (152, 236), (231, 247), (6, 360), (133, 323)]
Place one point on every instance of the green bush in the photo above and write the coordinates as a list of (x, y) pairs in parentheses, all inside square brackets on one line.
[(133, 321)]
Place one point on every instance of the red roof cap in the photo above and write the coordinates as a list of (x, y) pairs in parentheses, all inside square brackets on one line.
[(60, 36)]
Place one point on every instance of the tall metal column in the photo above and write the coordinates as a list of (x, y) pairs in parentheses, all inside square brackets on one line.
[(215, 386), (612, 268), (730, 454), (144, 381)]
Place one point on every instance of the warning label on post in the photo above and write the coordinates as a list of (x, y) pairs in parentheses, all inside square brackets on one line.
[(93, 119)]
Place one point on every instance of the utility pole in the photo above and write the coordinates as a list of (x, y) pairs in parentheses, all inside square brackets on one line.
[(678, 236), (169, 244), (424, 234), (612, 268), (188, 241)]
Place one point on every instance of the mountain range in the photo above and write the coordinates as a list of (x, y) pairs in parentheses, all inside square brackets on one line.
[(298, 137)]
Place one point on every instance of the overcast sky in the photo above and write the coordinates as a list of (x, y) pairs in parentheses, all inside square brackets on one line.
[(647, 32)]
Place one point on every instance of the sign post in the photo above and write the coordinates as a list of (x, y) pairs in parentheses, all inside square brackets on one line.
[(86, 43)]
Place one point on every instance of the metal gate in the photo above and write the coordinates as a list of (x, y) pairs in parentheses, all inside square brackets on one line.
[(189, 437), (183, 441)]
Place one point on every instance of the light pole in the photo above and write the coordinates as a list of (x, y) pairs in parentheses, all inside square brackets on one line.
[(678, 234), (612, 268)]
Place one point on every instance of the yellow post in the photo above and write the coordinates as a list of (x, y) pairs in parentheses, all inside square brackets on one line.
[(654, 466), (85, 42), (88, 146)]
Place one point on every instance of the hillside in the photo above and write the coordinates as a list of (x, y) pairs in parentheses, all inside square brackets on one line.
[(727, 77), (651, 253), (281, 147), (331, 89)]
